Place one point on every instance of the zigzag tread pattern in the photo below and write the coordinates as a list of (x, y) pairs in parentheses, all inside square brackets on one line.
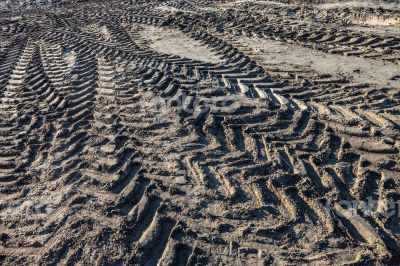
[(117, 152)]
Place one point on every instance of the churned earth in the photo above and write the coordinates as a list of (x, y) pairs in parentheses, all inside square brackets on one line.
[(182, 132)]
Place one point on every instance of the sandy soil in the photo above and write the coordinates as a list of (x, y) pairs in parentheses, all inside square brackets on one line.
[(391, 5), (359, 70), (199, 133), (172, 41)]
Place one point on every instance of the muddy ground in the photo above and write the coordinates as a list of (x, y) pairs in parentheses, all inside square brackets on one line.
[(199, 132)]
